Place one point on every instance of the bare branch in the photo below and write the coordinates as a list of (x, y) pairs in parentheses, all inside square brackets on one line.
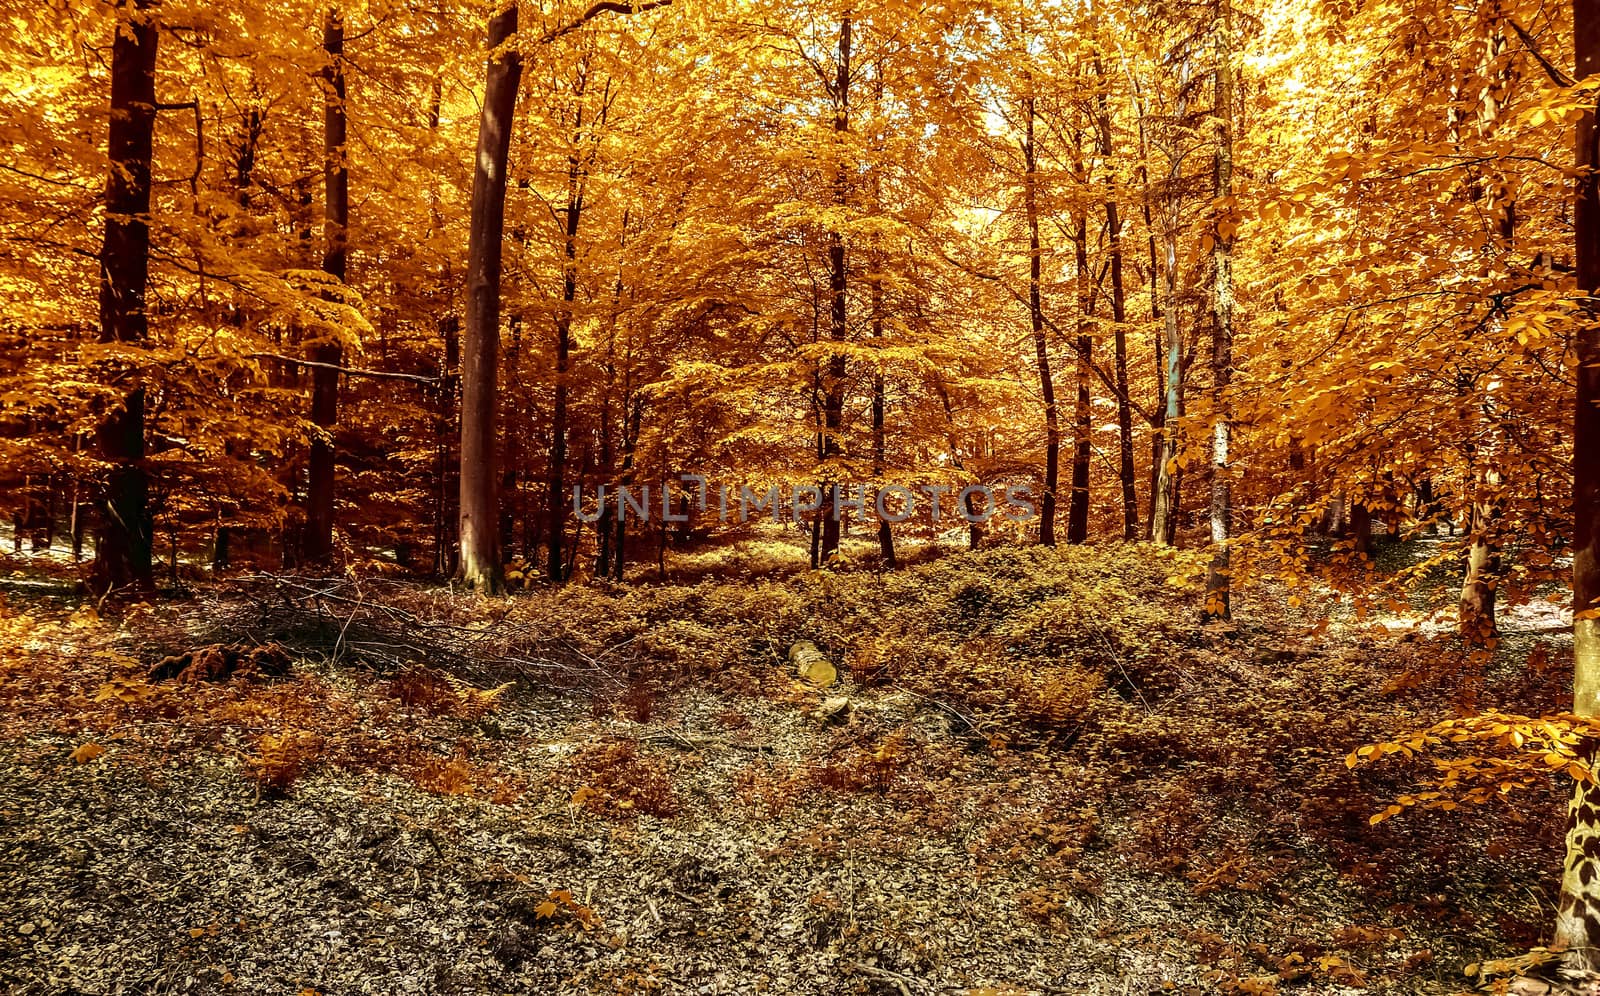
[(349, 371)]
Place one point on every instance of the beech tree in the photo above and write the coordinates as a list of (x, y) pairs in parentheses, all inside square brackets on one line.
[(124, 541), (1578, 914)]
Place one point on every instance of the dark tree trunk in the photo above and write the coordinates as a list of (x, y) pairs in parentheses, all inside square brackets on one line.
[(630, 442), (1052, 424), (1119, 316), (1078, 508), (125, 537), (444, 425), (885, 531), (480, 542), (317, 547), (838, 326), (558, 416)]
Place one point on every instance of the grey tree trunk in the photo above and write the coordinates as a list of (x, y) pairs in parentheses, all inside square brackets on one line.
[(1218, 588), (1578, 913)]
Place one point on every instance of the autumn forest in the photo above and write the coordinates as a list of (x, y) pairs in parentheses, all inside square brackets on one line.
[(732, 496)]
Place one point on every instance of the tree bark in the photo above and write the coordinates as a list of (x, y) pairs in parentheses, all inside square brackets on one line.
[(1119, 316), (1164, 518), (480, 542), (1052, 423), (125, 537), (555, 570), (1082, 426), (1218, 588), (1475, 615), (885, 531), (1578, 913), (317, 544), (838, 326)]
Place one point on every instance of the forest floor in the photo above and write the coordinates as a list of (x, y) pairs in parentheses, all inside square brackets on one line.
[(1034, 774)]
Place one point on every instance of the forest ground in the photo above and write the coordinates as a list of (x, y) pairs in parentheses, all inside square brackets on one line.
[(1035, 773)]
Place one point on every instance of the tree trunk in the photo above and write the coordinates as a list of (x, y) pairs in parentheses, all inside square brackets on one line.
[(838, 327), (885, 531), (1164, 516), (480, 543), (1052, 424), (1078, 507), (1218, 588), (1361, 530), (630, 443), (1578, 915), (444, 420), (555, 570), (1475, 617), (1119, 316), (124, 541), (317, 545)]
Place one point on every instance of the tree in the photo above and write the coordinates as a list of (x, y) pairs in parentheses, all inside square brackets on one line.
[(317, 547), (124, 541), (1578, 914), (833, 379), (1217, 582), (1041, 352), (480, 542)]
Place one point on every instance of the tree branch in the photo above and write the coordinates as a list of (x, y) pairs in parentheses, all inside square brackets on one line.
[(1556, 75), (349, 371), (604, 7)]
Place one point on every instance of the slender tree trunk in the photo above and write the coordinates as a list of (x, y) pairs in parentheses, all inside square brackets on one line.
[(1078, 508), (1159, 409), (511, 507), (480, 544), (124, 542), (1052, 422), (317, 545), (1485, 562), (885, 531), (630, 443), (1164, 517), (444, 421), (555, 570), (1119, 317), (1218, 588), (1578, 914), (838, 325)]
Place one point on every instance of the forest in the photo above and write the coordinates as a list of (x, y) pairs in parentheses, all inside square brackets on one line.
[(788, 496)]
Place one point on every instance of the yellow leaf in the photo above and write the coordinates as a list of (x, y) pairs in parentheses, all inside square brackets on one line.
[(87, 752), (544, 910)]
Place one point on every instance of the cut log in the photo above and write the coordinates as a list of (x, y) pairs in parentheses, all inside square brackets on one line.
[(811, 665)]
